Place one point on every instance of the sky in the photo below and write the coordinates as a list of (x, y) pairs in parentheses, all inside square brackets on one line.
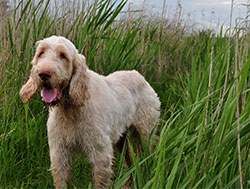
[(202, 13)]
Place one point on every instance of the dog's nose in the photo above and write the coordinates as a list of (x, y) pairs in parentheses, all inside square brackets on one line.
[(44, 76)]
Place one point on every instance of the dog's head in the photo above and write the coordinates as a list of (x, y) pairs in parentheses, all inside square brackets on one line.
[(58, 72)]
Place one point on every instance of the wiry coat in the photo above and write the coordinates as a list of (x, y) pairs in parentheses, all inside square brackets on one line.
[(88, 112)]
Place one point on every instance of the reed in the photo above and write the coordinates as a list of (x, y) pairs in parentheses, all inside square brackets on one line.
[(202, 80)]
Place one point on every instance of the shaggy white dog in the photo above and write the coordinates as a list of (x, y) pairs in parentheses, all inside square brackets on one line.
[(88, 112)]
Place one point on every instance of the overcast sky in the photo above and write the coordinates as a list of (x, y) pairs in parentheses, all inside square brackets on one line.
[(205, 13)]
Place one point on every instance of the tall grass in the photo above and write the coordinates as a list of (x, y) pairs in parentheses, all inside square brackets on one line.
[(204, 129)]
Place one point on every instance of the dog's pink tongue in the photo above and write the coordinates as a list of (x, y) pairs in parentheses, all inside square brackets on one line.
[(49, 95)]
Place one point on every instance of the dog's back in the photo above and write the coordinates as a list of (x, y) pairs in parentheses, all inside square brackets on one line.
[(148, 103)]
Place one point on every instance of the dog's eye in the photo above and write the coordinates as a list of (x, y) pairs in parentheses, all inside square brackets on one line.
[(62, 55), (40, 54)]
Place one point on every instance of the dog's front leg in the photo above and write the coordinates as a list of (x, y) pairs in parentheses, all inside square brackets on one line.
[(101, 157), (102, 172), (60, 158)]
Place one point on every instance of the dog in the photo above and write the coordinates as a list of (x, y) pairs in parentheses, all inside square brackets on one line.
[(88, 112)]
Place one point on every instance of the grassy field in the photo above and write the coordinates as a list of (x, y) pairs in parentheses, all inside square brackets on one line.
[(202, 80)]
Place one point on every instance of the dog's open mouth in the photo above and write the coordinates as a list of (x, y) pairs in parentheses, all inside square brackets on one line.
[(50, 95)]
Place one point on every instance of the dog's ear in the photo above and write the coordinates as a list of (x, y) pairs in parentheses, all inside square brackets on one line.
[(27, 90), (30, 87), (78, 87)]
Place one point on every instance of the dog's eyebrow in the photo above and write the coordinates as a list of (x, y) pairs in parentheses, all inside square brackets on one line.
[(42, 47), (60, 48)]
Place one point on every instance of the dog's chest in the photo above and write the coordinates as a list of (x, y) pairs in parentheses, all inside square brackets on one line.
[(65, 126)]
